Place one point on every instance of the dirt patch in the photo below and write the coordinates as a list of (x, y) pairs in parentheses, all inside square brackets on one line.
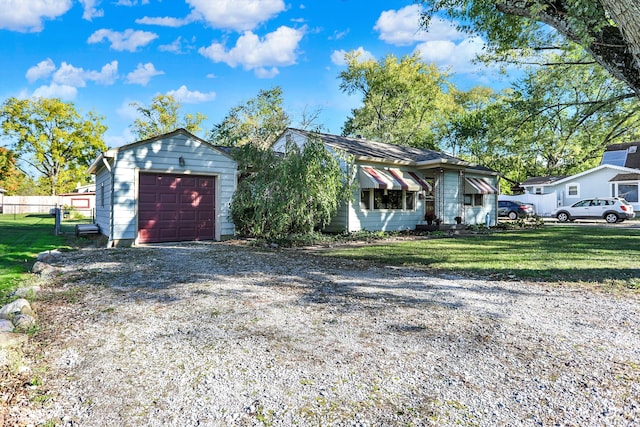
[(224, 334)]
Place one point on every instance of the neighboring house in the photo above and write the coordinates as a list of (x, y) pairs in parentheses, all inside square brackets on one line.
[(2, 191), (618, 175), (398, 186), (173, 187)]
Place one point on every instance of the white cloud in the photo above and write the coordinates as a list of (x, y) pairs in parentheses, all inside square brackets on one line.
[(41, 71), (131, 2), (129, 40), (338, 56), (107, 74), (174, 47), (446, 53), (186, 96), (166, 21), (143, 74), (68, 75), (402, 27), (64, 92), (239, 15), (90, 9), (27, 16), (277, 49)]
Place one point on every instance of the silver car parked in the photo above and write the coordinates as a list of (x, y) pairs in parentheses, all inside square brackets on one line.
[(611, 209)]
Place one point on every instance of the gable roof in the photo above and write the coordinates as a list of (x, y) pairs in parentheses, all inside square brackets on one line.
[(562, 179), (180, 131), (630, 152), (543, 180), (368, 150)]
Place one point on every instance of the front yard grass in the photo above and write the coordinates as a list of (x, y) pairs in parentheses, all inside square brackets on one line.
[(22, 238), (605, 255)]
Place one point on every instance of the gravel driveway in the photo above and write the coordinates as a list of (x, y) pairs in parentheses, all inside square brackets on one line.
[(225, 335)]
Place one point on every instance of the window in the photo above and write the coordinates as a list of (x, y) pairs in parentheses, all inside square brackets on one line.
[(387, 199), (629, 192), (474, 199), (573, 190), (365, 202), (537, 190), (102, 195)]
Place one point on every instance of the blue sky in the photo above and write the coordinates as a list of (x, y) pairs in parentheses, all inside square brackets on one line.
[(211, 55)]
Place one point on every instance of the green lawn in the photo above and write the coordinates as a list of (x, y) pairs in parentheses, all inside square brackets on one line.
[(607, 255), (22, 238)]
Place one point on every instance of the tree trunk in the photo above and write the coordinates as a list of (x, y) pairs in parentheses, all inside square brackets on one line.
[(616, 48), (626, 14)]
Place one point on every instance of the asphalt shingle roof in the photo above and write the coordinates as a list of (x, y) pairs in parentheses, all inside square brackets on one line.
[(360, 147)]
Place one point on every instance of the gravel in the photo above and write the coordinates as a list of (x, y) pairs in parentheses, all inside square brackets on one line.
[(227, 335)]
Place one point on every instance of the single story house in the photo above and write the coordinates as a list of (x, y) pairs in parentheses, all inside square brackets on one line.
[(172, 187), (618, 175), (398, 187)]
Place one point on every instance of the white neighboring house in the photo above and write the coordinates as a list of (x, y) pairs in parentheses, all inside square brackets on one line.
[(399, 186), (618, 175), (173, 187)]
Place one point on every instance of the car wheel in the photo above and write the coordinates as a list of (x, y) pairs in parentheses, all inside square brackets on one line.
[(563, 217), (512, 215), (611, 218)]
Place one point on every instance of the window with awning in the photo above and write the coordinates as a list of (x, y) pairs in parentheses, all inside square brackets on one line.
[(479, 186), (391, 179)]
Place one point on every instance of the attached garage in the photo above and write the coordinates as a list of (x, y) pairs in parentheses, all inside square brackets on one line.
[(171, 188)]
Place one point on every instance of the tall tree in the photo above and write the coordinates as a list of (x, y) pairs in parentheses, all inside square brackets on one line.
[(609, 30), (553, 122), (51, 137), (258, 121), (163, 116), (403, 100)]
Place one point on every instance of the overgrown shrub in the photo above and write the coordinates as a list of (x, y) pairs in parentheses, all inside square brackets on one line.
[(295, 192)]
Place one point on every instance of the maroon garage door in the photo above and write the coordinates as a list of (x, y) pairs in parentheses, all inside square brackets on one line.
[(173, 208)]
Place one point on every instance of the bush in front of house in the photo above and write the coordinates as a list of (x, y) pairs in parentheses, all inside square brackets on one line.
[(295, 192)]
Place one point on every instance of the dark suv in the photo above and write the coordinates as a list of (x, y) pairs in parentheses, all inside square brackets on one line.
[(513, 209)]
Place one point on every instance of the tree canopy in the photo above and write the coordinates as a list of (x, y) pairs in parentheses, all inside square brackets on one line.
[(258, 121), (609, 30), (552, 122), (51, 137), (163, 116), (404, 100)]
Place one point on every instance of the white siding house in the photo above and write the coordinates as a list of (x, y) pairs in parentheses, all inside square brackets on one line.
[(399, 187), (602, 181), (172, 187)]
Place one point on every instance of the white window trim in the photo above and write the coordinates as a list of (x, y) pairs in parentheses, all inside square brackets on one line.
[(538, 190), (573, 184)]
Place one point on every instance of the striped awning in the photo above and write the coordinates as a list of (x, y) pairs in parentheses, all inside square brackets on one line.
[(479, 186), (390, 179)]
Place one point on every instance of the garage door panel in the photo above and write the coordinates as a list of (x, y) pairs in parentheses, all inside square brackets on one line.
[(176, 208)]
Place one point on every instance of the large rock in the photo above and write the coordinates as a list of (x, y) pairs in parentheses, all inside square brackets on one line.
[(26, 291), (6, 325), (48, 256), (19, 306), (24, 322), (43, 269)]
